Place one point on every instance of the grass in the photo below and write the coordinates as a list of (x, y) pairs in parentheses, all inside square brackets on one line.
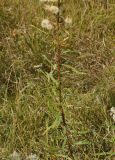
[(30, 121)]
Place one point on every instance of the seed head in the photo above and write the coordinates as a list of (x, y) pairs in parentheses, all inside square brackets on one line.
[(112, 113), (112, 110), (68, 20), (46, 24), (114, 117), (52, 9)]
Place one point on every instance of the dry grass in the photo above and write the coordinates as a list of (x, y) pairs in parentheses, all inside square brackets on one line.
[(29, 119)]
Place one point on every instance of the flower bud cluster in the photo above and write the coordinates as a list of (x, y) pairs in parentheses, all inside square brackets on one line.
[(46, 23), (53, 9)]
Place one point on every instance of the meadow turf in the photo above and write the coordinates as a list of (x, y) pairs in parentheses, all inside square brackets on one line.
[(30, 120)]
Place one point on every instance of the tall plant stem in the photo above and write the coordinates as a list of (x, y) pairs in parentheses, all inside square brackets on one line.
[(59, 80)]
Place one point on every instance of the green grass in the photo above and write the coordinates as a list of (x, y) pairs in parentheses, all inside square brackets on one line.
[(30, 120)]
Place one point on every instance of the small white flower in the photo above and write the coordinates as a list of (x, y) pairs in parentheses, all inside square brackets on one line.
[(32, 157), (68, 20), (46, 24), (15, 156), (114, 117), (112, 113), (52, 9), (38, 66), (112, 110)]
